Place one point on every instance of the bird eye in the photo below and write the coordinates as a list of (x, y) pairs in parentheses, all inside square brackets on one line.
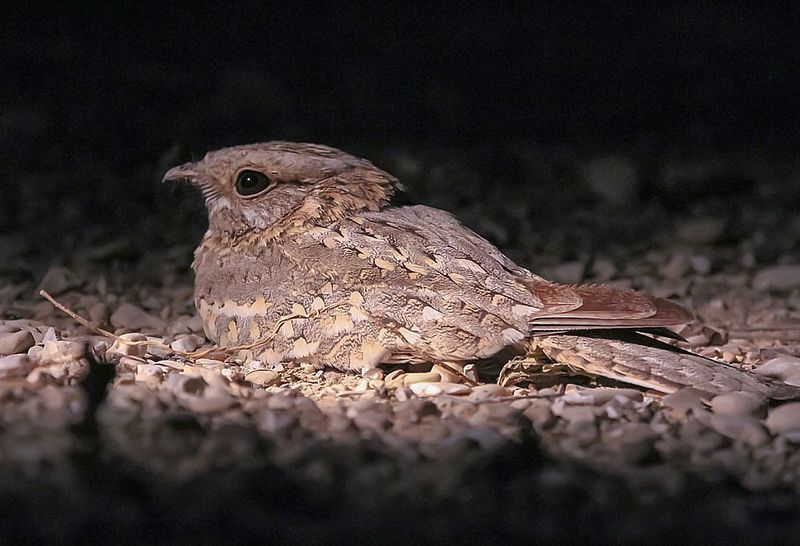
[(250, 183)]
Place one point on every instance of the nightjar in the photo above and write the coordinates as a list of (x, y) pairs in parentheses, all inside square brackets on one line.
[(306, 260)]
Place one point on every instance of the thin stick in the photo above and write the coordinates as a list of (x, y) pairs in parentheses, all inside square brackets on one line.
[(105, 333), (72, 314)]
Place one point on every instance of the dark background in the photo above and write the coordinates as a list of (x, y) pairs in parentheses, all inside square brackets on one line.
[(469, 105)]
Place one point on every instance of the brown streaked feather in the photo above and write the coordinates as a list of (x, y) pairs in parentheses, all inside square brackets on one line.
[(605, 307), (647, 362)]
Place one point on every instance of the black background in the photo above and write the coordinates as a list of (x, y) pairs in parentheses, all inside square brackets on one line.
[(130, 81), (97, 100)]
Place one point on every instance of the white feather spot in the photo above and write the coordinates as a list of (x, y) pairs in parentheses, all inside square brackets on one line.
[(286, 329), (521, 310), (470, 265), (409, 336), (431, 314), (341, 324), (512, 335), (302, 348)]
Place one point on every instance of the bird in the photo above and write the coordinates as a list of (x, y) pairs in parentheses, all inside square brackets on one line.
[(307, 260)]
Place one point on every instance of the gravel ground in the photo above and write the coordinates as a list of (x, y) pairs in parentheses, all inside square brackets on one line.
[(160, 438)]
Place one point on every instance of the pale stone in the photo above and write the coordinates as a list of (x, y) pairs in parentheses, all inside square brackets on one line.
[(98, 312), (780, 367), (437, 388), (182, 384), (186, 344), (742, 428), (677, 266), (62, 352), (682, 402), (210, 404), (785, 419), (58, 280), (411, 378), (701, 265), (490, 390), (120, 348), (265, 378), (778, 277), (132, 317), (16, 342), (17, 365), (737, 404)]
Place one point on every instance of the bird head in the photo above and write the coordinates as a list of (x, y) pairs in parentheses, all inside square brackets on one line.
[(270, 189)]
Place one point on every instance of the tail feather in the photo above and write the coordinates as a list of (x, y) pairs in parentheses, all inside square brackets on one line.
[(646, 362), (603, 307)]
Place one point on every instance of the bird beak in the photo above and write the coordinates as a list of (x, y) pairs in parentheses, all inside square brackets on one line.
[(181, 172)]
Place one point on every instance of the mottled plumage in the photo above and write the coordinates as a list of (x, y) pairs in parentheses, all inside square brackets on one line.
[(306, 260)]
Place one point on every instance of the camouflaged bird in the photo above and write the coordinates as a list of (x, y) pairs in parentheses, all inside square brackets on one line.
[(306, 260)]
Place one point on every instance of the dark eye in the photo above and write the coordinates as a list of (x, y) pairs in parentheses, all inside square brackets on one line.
[(251, 183)]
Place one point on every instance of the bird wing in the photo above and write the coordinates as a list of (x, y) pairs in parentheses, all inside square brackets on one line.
[(454, 294)]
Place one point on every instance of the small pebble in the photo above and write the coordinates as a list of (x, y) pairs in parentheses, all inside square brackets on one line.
[(681, 402), (632, 441), (129, 363), (17, 365), (616, 395), (785, 420), (58, 280), (132, 317), (781, 367), (195, 324), (490, 390), (210, 404), (98, 312), (582, 414), (372, 416), (579, 399), (62, 352), (151, 374), (180, 383), (373, 373), (738, 404), (436, 388), (174, 364), (700, 264), (265, 378), (779, 277), (120, 348), (186, 344), (49, 335), (677, 267), (16, 342), (540, 414), (211, 373), (603, 270), (408, 379), (793, 380), (742, 428)]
